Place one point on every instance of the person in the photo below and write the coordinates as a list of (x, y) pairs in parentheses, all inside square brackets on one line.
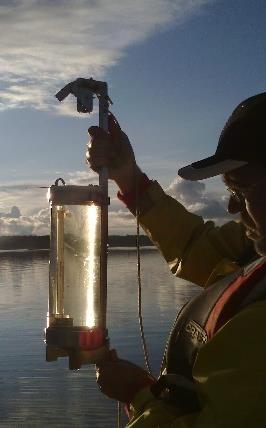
[(215, 361)]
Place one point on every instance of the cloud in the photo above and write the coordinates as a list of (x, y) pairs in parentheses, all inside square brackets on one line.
[(28, 198), (82, 178), (45, 43), (32, 196), (24, 208), (37, 224), (32, 216), (121, 222), (193, 195), (14, 213)]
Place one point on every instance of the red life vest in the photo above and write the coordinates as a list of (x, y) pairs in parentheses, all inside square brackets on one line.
[(204, 315)]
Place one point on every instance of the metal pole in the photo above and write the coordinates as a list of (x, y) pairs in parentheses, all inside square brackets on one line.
[(103, 182)]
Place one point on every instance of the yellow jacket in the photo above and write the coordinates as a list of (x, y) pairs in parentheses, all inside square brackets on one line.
[(230, 370)]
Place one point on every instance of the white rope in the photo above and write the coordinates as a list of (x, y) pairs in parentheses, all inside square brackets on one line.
[(119, 412), (142, 335)]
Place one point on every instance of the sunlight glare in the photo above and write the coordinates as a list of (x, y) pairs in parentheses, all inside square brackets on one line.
[(93, 219)]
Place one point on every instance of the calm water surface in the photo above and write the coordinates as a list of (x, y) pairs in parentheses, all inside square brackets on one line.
[(34, 393)]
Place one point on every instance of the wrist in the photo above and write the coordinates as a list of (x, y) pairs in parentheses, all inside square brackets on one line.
[(133, 197), (128, 180)]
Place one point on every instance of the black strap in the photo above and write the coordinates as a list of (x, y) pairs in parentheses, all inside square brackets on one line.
[(178, 391)]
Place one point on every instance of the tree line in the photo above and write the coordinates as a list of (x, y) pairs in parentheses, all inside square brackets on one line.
[(32, 242)]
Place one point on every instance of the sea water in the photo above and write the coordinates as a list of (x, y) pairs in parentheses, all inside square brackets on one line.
[(34, 393)]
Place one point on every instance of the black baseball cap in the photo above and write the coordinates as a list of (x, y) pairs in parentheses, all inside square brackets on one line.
[(242, 141)]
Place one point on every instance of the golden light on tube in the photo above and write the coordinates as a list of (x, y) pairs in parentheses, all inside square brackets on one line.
[(60, 217), (93, 221)]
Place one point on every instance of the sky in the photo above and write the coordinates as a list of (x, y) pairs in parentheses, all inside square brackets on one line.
[(175, 70)]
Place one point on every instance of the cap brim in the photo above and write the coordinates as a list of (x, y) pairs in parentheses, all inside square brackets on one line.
[(209, 167)]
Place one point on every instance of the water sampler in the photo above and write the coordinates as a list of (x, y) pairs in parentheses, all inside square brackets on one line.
[(76, 321)]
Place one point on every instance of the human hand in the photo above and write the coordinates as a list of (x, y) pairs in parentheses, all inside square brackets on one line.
[(114, 151), (121, 379)]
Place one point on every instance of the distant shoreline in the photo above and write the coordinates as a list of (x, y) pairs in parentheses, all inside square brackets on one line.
[(25, 250), (46, 251), (42, 243)]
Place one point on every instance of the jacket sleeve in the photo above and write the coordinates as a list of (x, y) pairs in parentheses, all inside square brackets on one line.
[(195, 250), (230, 375)]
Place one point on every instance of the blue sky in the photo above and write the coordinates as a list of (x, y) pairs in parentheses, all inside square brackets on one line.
[(175, 69)]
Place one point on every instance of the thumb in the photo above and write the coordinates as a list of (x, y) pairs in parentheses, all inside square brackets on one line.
[(113, 127)]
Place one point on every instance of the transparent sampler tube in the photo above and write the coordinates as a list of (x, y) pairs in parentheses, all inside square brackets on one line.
[(82, 247), (77, 282), (75, 289)]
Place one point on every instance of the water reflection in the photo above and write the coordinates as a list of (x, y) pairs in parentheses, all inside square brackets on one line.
[(37, 394)]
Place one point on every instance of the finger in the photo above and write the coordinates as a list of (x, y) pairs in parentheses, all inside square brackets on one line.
[(114, 127), (97, 156), (98, 143), (97, 163), (117, 136), (98, 148), (96, 131), (96, 166), (97, 373)]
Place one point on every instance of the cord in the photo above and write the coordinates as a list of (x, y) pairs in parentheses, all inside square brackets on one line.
[(119, 413), (143, 340)]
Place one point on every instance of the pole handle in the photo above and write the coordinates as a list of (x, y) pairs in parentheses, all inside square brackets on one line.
[(103, 123)]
